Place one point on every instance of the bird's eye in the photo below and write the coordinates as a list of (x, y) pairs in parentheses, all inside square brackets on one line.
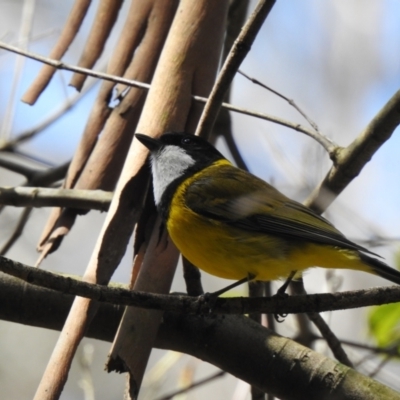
[(186, 140)]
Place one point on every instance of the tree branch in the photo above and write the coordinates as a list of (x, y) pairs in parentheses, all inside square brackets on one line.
[(297, 373), (352, 159), (45, 197), (140, 85), (195, 305), (237, 54)]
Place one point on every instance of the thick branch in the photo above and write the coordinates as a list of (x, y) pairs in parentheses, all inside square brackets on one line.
[(297, 373), (352, 159)]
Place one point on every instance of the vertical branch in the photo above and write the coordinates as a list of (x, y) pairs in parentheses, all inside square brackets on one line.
[(187, 64), (106, 16), (239, 51), (68, 34), (24, 36)]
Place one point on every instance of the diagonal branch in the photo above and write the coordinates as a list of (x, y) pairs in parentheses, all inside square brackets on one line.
[(240, 48), (351, 160)]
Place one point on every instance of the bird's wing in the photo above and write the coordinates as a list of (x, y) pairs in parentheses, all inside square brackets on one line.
[(239, 199)]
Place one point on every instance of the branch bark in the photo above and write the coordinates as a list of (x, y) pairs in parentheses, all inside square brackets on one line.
[(265, 360), (351, 160), (195, 305), (45, 197)]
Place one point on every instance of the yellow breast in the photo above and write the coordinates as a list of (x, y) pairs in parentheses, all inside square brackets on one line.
[(234, 253)]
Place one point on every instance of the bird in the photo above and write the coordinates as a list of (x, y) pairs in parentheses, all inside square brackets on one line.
[(234, 225)]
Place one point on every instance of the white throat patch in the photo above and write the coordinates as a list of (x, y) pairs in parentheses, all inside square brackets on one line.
[(168, 165)]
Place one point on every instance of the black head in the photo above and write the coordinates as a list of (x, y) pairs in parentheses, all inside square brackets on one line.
[(174, 156), (199, 149)]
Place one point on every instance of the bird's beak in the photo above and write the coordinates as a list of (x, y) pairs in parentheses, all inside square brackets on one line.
[(149, 142)]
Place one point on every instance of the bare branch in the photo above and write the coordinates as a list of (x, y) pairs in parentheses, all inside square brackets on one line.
[(45, 197), (104, 21), (211, 339), (193, 385), (130, 82), (290, 101), (67, 35), (240, 48), (50, 119), (195, 305), (323, 141), (23, 219), (352, 159), (331, 339)]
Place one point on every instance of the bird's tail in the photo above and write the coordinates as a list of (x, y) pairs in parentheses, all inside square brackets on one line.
[(381, 269)]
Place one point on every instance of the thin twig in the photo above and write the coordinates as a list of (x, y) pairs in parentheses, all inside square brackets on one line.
[(34, 177), (49, 120), (325, 143), (237, 54), (46, 197), (290, 101), (193, 385), (192, 305), (379, 366), (390, 351), (331, 339), (23, 219)]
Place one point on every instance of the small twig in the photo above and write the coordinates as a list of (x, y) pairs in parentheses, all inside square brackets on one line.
[(23, 219), (50, 119), (328, 146), (237, 54), (379, 366), (193, 385), (331, 339), (46, 197), (194, 305), (390, 351), (290, 101)]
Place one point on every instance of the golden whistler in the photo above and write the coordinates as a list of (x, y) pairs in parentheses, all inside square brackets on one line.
[(232, 224)]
